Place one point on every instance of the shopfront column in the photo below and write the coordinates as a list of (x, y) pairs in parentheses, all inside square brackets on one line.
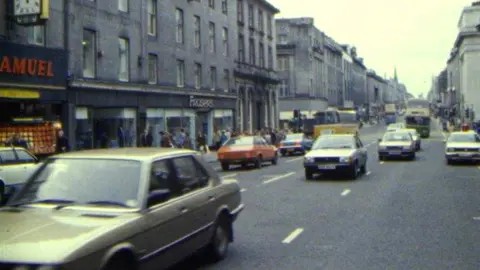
[(271, 107), (276, 113), (265, 106), (250, 111), (240, 109)]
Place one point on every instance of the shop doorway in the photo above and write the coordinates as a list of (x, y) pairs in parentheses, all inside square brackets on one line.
[(201, 123)]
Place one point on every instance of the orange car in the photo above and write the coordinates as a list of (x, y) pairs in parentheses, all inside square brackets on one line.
[(246, 150)]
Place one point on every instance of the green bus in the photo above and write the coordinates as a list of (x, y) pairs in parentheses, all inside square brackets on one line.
[(417, 116)]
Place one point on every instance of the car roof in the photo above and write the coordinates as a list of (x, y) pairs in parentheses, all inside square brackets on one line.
[(463, 132), (339, 135), (129, 153)]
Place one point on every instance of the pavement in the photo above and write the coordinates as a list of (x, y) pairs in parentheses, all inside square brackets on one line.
[(418, 214)]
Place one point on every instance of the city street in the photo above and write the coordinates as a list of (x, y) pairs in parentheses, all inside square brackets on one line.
[(401, 215)]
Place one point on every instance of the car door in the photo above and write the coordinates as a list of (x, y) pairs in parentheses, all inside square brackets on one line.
[(165, 218), (267, 151), (12, 171), (27, 161), (196, 200), (362, 151)]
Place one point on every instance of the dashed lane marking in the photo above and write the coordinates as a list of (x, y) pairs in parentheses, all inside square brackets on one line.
[(278, 178), (293, 159), (346, 192), (382, 162), (229, 175), (294, 234), (368, 173), (243, 190), (476, 218)]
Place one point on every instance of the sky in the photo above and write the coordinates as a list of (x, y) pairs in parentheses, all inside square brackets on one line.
[(415, 36)]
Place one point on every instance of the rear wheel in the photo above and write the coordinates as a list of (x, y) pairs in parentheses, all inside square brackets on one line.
[(413, 156), (225, 166), (275, 159), (283, 153), (363, 168), (308, 174), (217, 249), (353, 173)]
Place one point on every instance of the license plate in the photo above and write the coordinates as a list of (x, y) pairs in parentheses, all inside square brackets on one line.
[(395, 152), (465, 155), (327, 167), (290, 150)]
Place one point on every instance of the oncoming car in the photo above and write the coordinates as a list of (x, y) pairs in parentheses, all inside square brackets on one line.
[(462, 146), (118, 209), (343, 153), (396, 144)]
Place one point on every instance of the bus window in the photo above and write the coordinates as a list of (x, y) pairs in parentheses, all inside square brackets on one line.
[(416, 120), (326, 118)]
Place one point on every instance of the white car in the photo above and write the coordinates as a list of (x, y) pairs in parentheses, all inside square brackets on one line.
[(16, 166), (462, 146)]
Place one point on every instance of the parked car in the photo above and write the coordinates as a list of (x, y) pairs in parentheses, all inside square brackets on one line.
[(396, 144), (246, 150), (342, 153), (295, 143), (16, 166), (462, 146), (119, 209)]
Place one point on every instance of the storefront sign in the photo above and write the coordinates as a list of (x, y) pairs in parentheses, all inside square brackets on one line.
[(22, 64), (18, 93), (200, 102)]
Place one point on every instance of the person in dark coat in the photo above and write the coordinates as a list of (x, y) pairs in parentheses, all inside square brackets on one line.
[(147, 138), (17, 141), (121, 136), (62, 143)]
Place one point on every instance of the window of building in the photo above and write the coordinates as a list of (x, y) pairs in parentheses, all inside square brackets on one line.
[(211, 36), (269, 25), (251, 20), (36, 35), (251, 49), (124, 58), (152, 69), (260, 21), (197, 73), (224, 7), (270, 57), (241, 48), (282, 39), (226, 80), (283, 63), (211, 4), (225, 41), (180, 73), (179, 19), (89, 54), (213, 78), (240, 11), (123, 5), (261, 55), (197, 28), (152, 17)]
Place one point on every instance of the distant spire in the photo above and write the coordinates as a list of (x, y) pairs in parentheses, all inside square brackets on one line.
[(395, 77)]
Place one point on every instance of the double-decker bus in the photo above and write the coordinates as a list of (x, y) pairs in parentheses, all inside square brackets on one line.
[(418, 116)]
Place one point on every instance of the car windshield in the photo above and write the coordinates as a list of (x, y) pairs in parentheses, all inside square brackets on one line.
[(465, 137), (346, 117), (395, 137), (294, 137), (243, 141), (333, 142), (84, 181)]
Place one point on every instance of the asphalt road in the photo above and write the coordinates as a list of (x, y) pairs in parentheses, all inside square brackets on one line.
[(417, 214)]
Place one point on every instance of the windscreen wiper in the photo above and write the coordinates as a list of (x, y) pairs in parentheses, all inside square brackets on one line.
[(107, 203)]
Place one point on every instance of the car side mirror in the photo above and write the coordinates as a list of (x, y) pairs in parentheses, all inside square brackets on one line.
[(158, 196)]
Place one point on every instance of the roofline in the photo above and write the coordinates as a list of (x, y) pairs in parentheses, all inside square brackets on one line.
[(269, 6)]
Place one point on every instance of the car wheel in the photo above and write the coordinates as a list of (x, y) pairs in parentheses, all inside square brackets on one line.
[(275, 159), (217, 249), (413, 156), (258, 162), (225, 166), (308, 174), (354, 171), (2, 194), (119, 262), (363, 168)]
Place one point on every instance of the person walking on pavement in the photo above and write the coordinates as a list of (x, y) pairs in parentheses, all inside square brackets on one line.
[(62, 145), (223, 139), (201, 142), (180, 138)]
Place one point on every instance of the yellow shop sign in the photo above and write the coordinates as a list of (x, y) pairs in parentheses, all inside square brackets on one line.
[(19, 94)]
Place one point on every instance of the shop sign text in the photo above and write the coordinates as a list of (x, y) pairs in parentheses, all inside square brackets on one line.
[(26, 66), (201, 103)]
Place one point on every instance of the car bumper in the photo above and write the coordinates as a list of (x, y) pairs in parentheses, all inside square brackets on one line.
[(390, 153), (235, 212), (238, 160), (337, 167), (462, 156), (291, 149)]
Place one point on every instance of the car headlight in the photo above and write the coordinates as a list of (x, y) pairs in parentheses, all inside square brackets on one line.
[(346, 159), (309, 159), (449, 149)]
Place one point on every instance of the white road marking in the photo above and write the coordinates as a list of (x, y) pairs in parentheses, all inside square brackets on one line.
[(382, 162), (476, 218), (293, 159), (345, 192), (243, 190), (368, 173), (278, 178), (294, 234), (229, 175)]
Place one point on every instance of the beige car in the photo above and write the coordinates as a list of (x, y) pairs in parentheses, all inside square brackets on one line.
[(396, 144), (118, 209), (462, 147)]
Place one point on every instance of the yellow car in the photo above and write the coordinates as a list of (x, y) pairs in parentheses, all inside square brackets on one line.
[(462, 146), (396, 144)]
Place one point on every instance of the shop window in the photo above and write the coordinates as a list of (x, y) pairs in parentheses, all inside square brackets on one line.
[(115, 128), (250, 15), (211, 36), (260, 21), (89, 53), (213, 78), (240, 11), (223, 120), (83, 128), (270, 57), (36, 35), (123, 5), (198, 75), (211, 4), (155, 124), (152, 17), (180, 73), (251, 48), (241, 48), (180, 32), (261, 55), (124, 59), (152, 69), (224, 7)]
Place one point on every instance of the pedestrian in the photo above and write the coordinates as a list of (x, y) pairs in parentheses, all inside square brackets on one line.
[(147, 138), (201, 142), (62, 144)]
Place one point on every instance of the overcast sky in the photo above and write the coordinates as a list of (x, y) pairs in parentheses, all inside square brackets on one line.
[(416, 36)]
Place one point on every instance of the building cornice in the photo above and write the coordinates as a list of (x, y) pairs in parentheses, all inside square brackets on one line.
[(269, 6)]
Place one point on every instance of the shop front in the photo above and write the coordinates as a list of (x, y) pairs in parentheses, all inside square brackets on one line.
[(32, 95), (116, 118)]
